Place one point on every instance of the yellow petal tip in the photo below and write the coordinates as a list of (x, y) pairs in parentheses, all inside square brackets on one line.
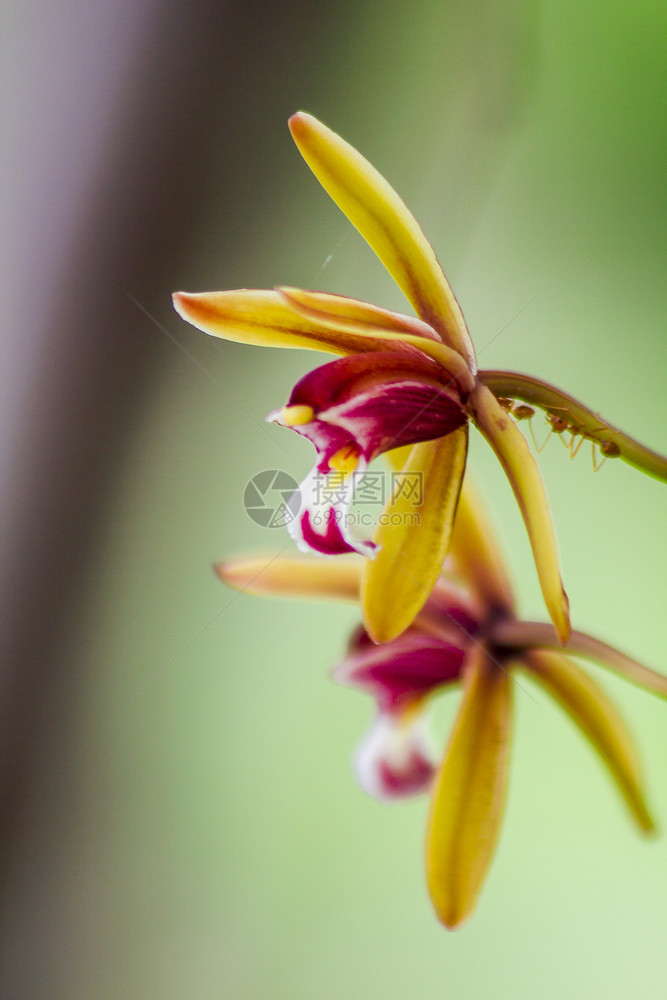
[(381, 632), (232, 573), (452, 923), (451, 915), (299, 123), (179, 299), (648, 827), (191, 306)]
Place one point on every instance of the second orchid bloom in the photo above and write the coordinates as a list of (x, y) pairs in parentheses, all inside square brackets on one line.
[(467, 633)]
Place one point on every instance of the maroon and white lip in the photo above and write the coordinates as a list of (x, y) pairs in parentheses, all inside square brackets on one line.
[(353, 410)]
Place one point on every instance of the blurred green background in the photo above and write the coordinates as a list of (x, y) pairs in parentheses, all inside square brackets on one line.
[(191, 826)]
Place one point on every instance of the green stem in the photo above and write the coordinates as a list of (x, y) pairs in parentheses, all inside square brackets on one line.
[(517, 635), (580, 419)]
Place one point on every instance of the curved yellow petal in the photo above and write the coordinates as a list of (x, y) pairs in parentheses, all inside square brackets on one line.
[(476, 554), (469, 792), (398, 457), (265, 318), (521, 469), (330, 307), (598, 719), (363, 319), (374, 208), (294, 576), (413, 535)]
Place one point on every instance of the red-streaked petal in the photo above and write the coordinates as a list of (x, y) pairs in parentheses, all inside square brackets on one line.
[(469, 793), (339, 381), (598, 719), (372, 401), (373, 422), (401, 413), (374, 208), (394, 761), (293, 576), (413, 537), (410, 667), (521, 469)]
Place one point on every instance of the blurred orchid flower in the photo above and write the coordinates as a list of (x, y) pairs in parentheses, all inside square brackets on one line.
[(400, 381), (467, 631)]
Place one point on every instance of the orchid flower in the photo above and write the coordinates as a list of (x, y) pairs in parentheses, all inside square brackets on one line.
[(467, 631), (400, 381)]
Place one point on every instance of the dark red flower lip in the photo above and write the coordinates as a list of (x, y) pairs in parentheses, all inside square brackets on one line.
[(374, 402), (353, 410), (405, 670)]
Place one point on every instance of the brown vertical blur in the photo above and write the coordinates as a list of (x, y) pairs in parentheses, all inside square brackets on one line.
[(127, 123), (119, 115)]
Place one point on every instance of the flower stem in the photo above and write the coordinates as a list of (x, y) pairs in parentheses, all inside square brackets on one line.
[(517, 635), (580, 420)]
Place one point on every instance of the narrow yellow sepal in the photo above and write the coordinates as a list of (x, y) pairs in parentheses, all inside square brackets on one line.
[(294, 576), (398, 457), (413, 536), (332, 308), (265, 318), (476, 554), (598, 719), (469, 792), (374, 208), (521, 469)]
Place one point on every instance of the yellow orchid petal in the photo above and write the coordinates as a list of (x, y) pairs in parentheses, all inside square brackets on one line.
[(413, 536), (476, 554), (330, 307), (374, 208), (265, 318), (591, 710), (363, 319), (472, 545), (293, 576), (521, 469), (469, 792), (398, 457)]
